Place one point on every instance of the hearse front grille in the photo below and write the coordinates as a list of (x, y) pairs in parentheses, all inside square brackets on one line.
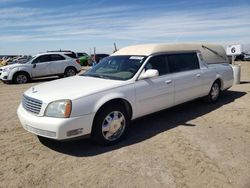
[(32, 105)]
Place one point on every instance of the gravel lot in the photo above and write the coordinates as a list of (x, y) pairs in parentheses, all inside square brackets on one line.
[(192, 145)]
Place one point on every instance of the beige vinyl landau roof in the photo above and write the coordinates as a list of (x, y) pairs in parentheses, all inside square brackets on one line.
[(211, 53)]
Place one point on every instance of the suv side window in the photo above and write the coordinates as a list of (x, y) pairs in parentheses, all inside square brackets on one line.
[(183, 62), (42, 59), (159, 63), (57, 57), (72, 55)]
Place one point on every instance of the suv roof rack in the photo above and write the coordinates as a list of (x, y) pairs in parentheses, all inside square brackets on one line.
[(69, 53), (60, 51)]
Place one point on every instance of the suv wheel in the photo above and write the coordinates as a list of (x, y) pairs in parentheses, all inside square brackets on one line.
[(70, 72), (21, 78), (111, 125)]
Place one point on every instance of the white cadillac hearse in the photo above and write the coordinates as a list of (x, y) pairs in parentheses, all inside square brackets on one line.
[(133, 82)]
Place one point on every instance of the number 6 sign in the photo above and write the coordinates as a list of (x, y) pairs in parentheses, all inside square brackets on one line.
[(234, 49)]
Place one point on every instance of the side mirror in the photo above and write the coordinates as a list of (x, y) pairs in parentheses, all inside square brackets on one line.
[(34, 65), (150, 73)]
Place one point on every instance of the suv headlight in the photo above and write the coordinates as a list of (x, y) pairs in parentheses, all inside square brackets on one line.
[(59, 109)]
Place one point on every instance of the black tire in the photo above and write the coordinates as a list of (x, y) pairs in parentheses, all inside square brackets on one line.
[(214, 93), (21, 78), (70, 71), (100, 136)]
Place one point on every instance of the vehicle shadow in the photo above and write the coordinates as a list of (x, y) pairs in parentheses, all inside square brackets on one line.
[(245, 82), (146, 127)]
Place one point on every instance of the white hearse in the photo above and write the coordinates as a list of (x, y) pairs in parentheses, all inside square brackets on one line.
[(41, 65), (133, 82)]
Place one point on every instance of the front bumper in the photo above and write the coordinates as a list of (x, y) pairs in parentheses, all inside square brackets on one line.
[(55, 128), (4, 75)]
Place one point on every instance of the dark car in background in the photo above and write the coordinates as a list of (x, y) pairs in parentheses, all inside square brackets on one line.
[(239, 57), (95, 58), (246, 57), (81, 54), (243, 57)]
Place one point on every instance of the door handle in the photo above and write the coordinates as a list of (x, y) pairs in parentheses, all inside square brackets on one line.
[(198, 75), (168, 81)]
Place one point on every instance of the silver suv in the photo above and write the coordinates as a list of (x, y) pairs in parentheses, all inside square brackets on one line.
[(41, 65)]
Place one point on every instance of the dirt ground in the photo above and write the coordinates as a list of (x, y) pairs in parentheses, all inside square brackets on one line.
[(192, 145)]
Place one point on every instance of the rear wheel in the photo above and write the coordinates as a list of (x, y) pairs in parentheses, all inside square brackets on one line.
[(214, 93), (70, 71), (21, 78), (111, 124)]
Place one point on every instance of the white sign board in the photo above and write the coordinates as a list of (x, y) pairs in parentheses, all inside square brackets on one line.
[(234, 49)]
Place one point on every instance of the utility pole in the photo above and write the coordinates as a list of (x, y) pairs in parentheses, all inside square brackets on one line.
[(115, 48), (94, 54)]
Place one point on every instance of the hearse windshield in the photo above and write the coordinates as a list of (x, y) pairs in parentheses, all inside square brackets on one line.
[(116, 67)]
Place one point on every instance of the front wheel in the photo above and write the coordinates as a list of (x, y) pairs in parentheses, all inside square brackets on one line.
[(214, 93), (111, 124), (20, 78)]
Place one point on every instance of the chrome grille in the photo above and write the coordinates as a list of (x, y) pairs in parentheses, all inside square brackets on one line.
[(32, 105)]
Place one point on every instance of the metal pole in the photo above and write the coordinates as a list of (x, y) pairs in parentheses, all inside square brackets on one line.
[(115, 47)]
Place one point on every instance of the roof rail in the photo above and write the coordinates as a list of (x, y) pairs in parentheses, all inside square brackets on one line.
[(60, 51)]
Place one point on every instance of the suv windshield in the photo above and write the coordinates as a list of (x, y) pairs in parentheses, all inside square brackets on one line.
[(116, 67), (30, 60)]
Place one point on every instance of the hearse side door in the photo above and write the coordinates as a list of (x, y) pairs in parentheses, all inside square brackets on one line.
[(187, 76), (157, 93)]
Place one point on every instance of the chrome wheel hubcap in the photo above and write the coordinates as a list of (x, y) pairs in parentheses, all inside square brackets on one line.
[(21, 79), (113, 126), (215, 91)]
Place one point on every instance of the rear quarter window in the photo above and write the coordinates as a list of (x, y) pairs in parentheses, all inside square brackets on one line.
[(183, 62), (72, 55), (57, 57)]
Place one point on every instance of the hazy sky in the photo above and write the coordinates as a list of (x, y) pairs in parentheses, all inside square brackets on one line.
[(29, 27)]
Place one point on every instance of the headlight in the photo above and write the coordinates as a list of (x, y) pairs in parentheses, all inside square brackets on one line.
[(59, 109)]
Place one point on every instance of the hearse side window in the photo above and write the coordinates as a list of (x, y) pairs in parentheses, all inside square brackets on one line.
[(159, 63), (183, 62), (56, 57)]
